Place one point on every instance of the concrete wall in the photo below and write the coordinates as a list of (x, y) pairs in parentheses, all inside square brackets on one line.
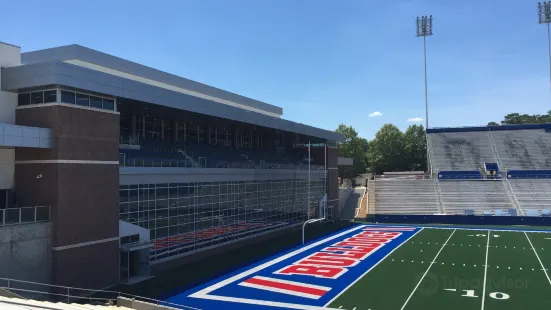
[(7, 166), (26, 252), (344, 194), (129, 229), (9, 56)]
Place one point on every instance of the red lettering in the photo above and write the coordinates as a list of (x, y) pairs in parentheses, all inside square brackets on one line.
[(347, 253), (368, 240), (327, 260), (315, 271), (379, 233), (357, 244)]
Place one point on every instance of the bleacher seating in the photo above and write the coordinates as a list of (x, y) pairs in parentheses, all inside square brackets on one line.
[(456, 151), (523, 149), (457, 196), (532, 194), (406, 197)]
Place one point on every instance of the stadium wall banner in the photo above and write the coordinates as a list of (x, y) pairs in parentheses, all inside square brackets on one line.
[(307, 277)]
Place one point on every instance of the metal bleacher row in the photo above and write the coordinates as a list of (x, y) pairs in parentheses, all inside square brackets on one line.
[(528, 191)]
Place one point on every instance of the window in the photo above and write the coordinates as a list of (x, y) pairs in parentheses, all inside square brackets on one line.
[(37, 97), (109, 104), (50, 96), (67, 97), (95, 102), (130, 239), (24, 99), (83, 100)]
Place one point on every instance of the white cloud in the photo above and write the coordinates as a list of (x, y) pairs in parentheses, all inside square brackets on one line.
[(415, 119), (375, 114)]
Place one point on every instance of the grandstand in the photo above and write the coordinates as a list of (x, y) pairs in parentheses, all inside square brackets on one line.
[(477, 170), (398, 196)]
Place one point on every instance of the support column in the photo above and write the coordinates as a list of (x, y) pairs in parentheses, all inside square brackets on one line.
[(80, 181)]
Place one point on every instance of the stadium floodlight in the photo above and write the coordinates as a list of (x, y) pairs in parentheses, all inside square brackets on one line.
[(424, 29), (544, 17)]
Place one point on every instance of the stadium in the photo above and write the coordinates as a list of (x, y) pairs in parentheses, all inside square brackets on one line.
[(165, 172)]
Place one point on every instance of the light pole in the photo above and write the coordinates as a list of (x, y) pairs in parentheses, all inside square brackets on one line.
[(544, 17), (424, 29)]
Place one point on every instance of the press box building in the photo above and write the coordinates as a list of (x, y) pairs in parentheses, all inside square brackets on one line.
[(118, 168)]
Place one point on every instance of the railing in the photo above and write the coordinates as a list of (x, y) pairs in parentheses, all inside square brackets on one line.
[(153, 162), (529, 176), (130, 140), (43, 291), (26, 215), (203, 163)]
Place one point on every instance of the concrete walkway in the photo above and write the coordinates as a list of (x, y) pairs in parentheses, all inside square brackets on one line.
[(349, 210)]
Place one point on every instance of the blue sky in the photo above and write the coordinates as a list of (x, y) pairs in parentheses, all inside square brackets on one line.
[(325, 62)]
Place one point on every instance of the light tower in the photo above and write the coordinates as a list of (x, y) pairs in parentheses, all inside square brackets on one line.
[(424, 29), (544, 17)]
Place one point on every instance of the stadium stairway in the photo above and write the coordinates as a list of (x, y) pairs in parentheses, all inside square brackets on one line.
[(406, 197)]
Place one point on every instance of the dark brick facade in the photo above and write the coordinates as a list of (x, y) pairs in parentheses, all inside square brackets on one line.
[(84, 196)]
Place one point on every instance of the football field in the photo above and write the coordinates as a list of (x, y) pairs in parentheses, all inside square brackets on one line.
[(394, 267), (458, 269)]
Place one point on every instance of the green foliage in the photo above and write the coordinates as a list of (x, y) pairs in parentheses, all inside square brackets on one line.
[(392, 150), (517, 118), (354, 147)]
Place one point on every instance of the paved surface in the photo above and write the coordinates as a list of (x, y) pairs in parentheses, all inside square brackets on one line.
[(349, 210)]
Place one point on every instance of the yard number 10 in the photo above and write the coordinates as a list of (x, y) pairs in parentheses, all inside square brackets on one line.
[(494, 295)]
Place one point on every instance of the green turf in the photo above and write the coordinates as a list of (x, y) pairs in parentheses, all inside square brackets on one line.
[(458, 278)]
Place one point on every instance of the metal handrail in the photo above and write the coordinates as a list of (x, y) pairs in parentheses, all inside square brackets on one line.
[(7, 218), (93, 291)]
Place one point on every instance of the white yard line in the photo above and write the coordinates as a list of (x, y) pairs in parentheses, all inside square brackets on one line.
[(485, 272), (430, 265), (382, 259), (535, 252)]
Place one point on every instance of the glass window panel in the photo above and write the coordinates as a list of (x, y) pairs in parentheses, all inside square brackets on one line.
[(50, 96), (123, 196), (24, 99), (37, 97), (162, 232), (67, 97), (96, 102), (83, 100), (108, 104), (162, 204)]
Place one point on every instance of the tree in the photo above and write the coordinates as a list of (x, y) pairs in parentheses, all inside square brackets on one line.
[(354, 147), (415, 148), (386, 151), (392, 150), (517, 118)]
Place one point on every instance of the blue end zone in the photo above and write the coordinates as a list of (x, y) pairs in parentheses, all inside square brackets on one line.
[(246, 289)]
